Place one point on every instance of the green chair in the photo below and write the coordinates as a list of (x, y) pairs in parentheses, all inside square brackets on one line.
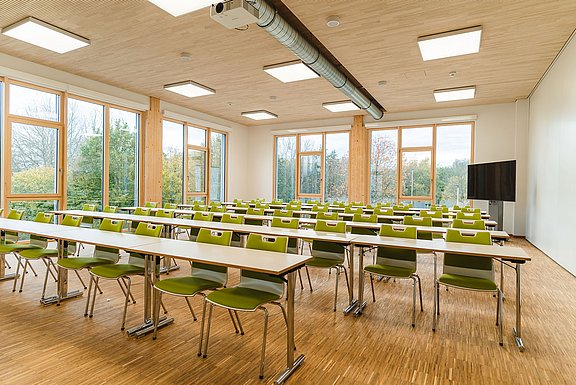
[(151, 205), (318, 208), (36, 242), (353, 210), (199, 216), (365, 218), (171, 206), (468, 272), (288, 223), (215, 203), (471, 210), (469, 216), (468, 224), (165, 213), (294, 207), (217, 209), (11, 237), (236, 219), (259, 205), (327, 216), (199, 207), (254, 221), (329, 255), (283, 213), (121, 272), (253, 292), (420, 221), (110, 209), (143, 211), (384, 211), (101, 256), (276, 202), (45, 254), (393, 262), (431, 213), (88, 221), (202, 277)]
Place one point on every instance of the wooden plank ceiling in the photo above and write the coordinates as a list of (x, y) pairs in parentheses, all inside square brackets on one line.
[(136, 46)]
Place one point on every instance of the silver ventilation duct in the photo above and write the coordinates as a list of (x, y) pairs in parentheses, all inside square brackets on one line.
[(276, 26)]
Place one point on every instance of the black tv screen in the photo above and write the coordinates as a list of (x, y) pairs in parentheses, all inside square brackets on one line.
[(492, 181)]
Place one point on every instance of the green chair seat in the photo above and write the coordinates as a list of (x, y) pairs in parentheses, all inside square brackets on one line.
[(186, 285), (82, 262), (8, 248), (113, 271), (38, 253), (243, 298), (323, 262), (468, 282), (390, 271)]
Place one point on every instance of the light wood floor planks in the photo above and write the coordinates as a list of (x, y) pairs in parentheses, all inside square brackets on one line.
[(57, 345)]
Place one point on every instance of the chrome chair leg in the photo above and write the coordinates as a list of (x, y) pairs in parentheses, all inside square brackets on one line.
[(208, 331), (372, 286), (7, 264), (420, 291), (501, 310), (156, 315), (336, 291), (307, 274), (34, 271), (96, 280), (126, 301), (190, 307), (26, 264), (239, 323), (16, 276), (45, 277), (347, 283), (413, 301), (300, 276), (202, 326), (233, 321), (263, 354), (88, 296), (80, 278)]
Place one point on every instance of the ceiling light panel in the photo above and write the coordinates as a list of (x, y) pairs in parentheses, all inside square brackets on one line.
[(448, 44), (450, 94), (189, 89), (345, 105), (259, 115), (181, 7), (42, 34), (291, 71)]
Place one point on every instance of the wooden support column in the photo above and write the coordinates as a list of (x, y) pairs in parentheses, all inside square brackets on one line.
[(151, 175), (359, 161)]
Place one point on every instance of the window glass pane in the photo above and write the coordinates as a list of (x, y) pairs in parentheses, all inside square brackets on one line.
[(31, 208), (85, 154), (172, 161), (286, 168), (196, 136), (383, 165), (417, 137), (336, 167), (416, 173), (310, 174), (124, 130), (34, 159), (196, 170), (310, 143), (217, 165), (34, 103), (453, 150)]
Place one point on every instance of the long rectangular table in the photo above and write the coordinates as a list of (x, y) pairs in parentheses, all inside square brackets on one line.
[(257, 260), (514, 255)]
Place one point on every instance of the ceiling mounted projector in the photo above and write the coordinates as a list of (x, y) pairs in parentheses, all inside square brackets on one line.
[(234, 13)]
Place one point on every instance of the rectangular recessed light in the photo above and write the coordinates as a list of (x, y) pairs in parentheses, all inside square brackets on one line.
[(181, 7), (45, 35), (454, 43), (460, 93), (189, 89), (259, 115), (344, 105), (292, 71)]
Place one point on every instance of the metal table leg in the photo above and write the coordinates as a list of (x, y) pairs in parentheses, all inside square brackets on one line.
[(63, 292), (353, 303), (291, 363), (518, 329), (361, 303)]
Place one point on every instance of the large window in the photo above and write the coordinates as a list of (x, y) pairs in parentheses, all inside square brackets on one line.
[(194, 163), (421, 164), (312, 166)]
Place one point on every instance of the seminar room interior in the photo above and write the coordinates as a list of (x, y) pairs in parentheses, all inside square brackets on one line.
[(287, 191)]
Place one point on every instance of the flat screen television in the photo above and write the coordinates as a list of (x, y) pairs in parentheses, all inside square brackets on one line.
[(492, 181)]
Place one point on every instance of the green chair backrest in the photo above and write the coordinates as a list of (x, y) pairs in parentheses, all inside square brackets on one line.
[(215, 203), (253, 221), (293, 207), (288, 223), (283, 213), (370, 218), (468, 265), (255, 211), (110, 209), (88, 207), (142, 211), (387, 204), (431, 213), (44, 217), (36, 240), (164, 213), (356, 203), (471, 210), (149, 230), (394, 256), (313, 202), (353, 210), (261, 205), (199, 207), (470, 216), (15, 214), (202, 216), (468, 224), (325, 249), (318, 208), (206, 271), (400, 208), (12, 236), (111, 254), (151, 205), (171, 206), (276, 202), (261, 281), (331, 216), (217, 209), (232, 218), (72, 220), (383, 211), (419, 221), (242, 205)]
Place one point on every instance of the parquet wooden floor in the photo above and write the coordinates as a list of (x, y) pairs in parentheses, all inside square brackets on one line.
[(57, 345)]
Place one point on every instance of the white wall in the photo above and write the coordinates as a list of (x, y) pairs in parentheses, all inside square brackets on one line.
[(552, 166), (497, 128)]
